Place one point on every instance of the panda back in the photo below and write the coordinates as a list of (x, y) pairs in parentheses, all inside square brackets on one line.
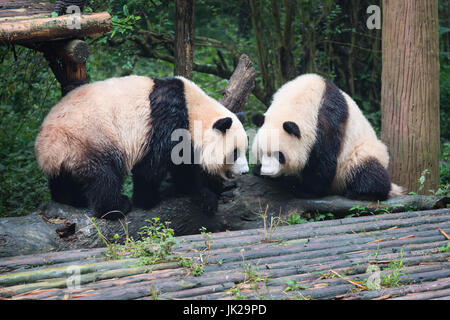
[(114, 112)]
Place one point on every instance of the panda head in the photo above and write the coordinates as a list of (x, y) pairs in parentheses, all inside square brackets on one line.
[(224, 147), (218, 136), (278, 145)]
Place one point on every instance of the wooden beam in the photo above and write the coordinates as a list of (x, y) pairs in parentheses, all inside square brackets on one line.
[(50, 29)]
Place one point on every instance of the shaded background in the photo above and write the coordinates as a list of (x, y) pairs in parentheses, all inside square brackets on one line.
[(283, 39)]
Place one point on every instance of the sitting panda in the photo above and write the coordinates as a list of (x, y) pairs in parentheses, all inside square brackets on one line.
[(102, 131), (315, 134)]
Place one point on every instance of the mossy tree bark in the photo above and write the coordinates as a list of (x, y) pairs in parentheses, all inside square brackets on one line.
[(410, 90)]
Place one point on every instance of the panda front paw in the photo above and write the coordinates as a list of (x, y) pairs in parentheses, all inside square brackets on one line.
[(208, 201)]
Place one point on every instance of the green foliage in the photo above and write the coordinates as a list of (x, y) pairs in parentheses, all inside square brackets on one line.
[(196, 269), (294, 219), (444, 188), (392, 278), (445, 164), (292, 285), (445, 247), (28, 88), (124, 23), (156, 241)]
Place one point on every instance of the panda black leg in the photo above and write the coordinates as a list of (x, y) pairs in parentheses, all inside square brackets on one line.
[(145, 191), (103, 191), (188, 180), (146, 182), (370, 181), (64, 188)]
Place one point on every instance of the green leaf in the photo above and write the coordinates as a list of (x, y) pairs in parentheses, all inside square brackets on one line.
[(125, 10)]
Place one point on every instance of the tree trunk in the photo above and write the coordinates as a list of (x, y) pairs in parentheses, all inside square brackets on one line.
[(184, 38), (264, 61), (410, 90)]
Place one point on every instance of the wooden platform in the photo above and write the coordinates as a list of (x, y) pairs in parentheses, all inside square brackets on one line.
[(317, 260), (25, 22)]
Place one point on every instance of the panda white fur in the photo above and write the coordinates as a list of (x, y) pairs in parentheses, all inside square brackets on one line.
[(101, 131), (316, 132)]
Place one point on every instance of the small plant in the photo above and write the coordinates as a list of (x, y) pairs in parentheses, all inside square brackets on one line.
[(250, 273), (235, 292), (292, 285), (323, 216), (251, 276), (249, 270), (113, 248), (198, 269), (301, 297), (445, 247), (393, 278), (154, 293), (156, 242), (294, 219), (195, 268), (269, 226), (381, 210), (207, 237), (442, 190), (357, 211), (422, 179)]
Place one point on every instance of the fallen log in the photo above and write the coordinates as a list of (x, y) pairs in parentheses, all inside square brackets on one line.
[(239, 209)]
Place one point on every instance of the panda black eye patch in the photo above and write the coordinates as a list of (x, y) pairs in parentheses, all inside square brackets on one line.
[(280, 156), (292, 128), (233, 157)]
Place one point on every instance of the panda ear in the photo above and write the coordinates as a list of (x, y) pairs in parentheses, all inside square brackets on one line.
[(292, 128), (223, 124), (258, 119), (241, 116)]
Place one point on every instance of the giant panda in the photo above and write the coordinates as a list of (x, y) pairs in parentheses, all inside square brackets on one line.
[(316, 135), (104, 130)]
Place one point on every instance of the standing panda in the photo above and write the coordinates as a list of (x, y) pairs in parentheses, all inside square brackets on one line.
[(102, 131), (315, 132)]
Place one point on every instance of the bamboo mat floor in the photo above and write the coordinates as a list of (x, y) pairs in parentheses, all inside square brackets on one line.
[(391, 256)]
